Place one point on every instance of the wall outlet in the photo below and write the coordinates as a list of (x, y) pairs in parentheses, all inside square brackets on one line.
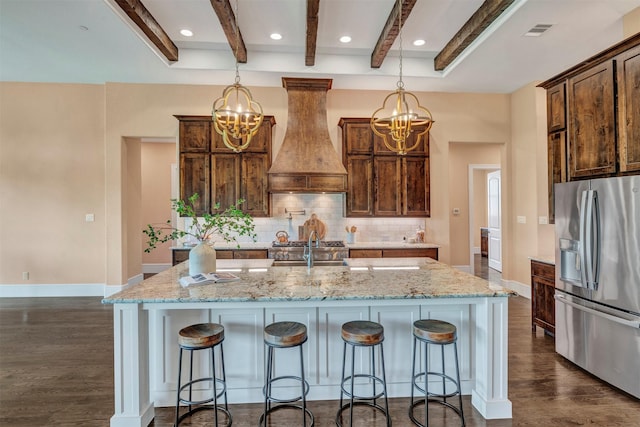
[(522, 219), (543, 220), (25, 275), (456, 211)]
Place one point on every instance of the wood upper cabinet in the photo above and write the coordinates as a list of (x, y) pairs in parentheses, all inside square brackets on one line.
[(592, 133), (556, 111), (557, 170), (628, 79), (218, 174), (379, 182), (593, 117)]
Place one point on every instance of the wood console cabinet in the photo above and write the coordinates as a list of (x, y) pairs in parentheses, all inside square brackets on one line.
[(543, 311), (379, 182), (180, 255), (219, 175), (593, 117)]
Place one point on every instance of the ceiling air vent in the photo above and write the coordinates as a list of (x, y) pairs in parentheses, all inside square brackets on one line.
[(537, 30)]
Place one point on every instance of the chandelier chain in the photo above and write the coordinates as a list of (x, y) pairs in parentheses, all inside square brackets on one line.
[(237, 43), (400, 82)]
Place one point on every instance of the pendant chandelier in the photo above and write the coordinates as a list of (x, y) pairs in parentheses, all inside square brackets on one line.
[(395, 123), (236, 116)]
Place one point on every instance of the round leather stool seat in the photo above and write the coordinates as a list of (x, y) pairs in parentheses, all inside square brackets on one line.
[(202, 335), (362, 332), (285, 334), (435, 331)]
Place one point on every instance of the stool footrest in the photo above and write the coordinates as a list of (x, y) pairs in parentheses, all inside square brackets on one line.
[(291, 400), (441, 402), (286, 406), (360, 403), (201, 402), (371, 377), (451, 381), (207, 408)]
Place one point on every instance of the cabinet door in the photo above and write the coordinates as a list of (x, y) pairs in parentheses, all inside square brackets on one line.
[(357, 136), (387, 186), (359, 185), (557, 166), (253, 188), (556, 111), (592, 135), (195, 136), (628, 69), (225, 186), (194, 178), (415, 186)]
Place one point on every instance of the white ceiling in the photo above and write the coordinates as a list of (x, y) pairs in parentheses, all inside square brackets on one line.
[(88, 41)]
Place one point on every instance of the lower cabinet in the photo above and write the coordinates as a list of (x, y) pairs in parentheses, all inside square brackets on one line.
[(394, 253), (543, 288), (180, 255)]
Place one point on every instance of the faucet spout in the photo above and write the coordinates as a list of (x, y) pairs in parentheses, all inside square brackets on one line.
[(308, 251)]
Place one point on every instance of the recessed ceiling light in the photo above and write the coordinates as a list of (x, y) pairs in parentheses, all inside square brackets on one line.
[(345, 39), (186, 33), (419, 42), (276, 36)]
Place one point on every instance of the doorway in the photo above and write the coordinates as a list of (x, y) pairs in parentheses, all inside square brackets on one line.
[(479, 199)]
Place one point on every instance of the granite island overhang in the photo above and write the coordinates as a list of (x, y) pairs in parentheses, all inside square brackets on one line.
[(394, 292)]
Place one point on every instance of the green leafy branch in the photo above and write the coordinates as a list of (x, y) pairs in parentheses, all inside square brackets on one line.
[(229, 224)]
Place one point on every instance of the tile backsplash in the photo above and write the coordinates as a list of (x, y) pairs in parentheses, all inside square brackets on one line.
[(330, 209)]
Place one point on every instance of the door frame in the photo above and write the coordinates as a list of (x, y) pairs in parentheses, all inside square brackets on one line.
[(472, 168)]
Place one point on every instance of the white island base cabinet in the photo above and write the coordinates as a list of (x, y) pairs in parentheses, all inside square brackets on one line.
[(480, 323)]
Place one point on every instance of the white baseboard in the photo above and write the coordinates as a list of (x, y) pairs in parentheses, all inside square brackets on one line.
[(57, 290), (522, 289), (155, 268), (135, 279), (465, 268)]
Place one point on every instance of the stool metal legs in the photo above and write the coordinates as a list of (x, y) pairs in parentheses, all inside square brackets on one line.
[(362, 400), (214, 381), (284, 403), (440, 398)]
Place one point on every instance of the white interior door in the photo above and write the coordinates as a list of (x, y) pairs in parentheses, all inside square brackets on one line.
[(495, 220)]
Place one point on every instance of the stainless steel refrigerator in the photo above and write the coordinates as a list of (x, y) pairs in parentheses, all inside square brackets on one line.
[(597, 294)]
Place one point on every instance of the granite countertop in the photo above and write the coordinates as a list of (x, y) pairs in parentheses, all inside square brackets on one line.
[(357, 245), (547, 259), (363, 279)]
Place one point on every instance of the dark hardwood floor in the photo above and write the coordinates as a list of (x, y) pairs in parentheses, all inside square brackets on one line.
[(56, 369)]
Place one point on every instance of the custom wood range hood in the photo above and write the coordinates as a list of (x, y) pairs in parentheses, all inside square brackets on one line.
[(307, 161)]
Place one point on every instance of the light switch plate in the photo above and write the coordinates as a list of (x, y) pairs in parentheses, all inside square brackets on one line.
[(89, 217), (543, 220), (522, 219)]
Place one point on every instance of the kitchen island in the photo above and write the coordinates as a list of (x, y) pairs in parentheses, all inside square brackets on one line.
[(394, 292)]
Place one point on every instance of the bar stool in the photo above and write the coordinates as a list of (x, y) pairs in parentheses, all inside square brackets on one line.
[(284, 335), (435, 332), (361, 333), (201, 337)]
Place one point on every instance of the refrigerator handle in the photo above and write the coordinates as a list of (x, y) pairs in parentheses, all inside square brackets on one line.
[(594, 228), (562, 299), (581, 246)]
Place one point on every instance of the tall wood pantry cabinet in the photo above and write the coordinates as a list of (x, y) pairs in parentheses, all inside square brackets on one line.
[(380, 182), (219, 175), (593, 117)]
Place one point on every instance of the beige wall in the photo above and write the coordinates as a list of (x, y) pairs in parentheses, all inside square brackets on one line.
[(631, 23), (157, 160), (461, 156), (52, 168), (86, 130)]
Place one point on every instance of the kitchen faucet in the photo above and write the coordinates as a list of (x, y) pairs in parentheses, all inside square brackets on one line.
[(308, 252)]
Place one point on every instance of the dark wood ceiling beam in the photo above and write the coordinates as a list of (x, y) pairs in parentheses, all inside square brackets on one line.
[(479, 21), (228, 22), (313, 6), (139, 14), (390, 32)]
